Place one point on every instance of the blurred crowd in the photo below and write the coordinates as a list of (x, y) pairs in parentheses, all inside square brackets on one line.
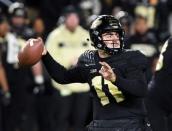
[(29, 99)]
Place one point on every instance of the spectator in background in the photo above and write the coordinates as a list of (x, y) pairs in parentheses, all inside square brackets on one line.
[(108, 5), (157, 13), (39, 28), (4, 87), (89, 9), (130, 6), (51, 10), (44, 103), (145, 41), (17, 114), (70, 38), (19, 26), (126, 22), (19, 21), (3, 31)]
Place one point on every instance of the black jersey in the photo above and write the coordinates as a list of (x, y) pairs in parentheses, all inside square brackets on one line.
[(121, 99), (160, 87)]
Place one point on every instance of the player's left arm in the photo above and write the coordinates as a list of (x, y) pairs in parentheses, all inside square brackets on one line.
[(134, 83)]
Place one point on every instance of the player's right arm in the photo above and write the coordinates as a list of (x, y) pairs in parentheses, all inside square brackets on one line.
[(60, 74)]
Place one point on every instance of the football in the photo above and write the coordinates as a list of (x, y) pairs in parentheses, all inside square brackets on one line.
[(31, 53)]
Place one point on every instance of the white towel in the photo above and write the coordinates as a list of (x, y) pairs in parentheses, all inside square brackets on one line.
[(12, 48)]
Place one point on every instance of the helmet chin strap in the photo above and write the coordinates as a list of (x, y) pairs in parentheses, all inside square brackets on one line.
[(111, 51)]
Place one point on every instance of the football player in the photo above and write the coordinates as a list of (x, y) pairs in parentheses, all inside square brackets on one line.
[(159, 103), (116, 77)]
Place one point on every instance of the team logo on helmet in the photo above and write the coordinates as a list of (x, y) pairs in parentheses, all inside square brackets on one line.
[(96, 23)]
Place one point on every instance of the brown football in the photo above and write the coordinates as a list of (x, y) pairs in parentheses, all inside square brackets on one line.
[(31, 53)]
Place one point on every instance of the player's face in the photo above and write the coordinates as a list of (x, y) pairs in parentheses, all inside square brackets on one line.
[(111, 39)]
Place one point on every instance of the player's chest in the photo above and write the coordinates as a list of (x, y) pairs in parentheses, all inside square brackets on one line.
[(103, 89), (117, 65)]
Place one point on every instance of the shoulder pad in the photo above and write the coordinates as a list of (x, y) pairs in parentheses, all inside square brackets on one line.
[(87, 58)]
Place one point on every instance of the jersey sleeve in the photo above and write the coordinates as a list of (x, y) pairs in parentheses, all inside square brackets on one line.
[(60, 74)]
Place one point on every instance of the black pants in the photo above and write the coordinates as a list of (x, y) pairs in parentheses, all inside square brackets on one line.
[(159, 117), (119, 125)]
